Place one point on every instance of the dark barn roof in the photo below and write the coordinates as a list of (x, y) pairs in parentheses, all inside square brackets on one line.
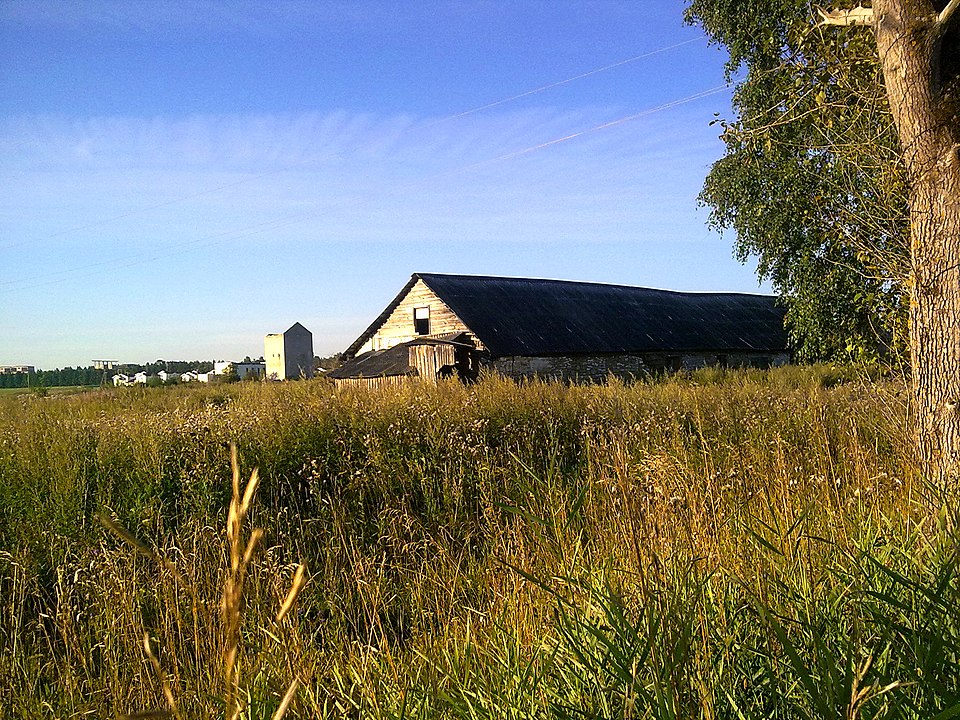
[(531, 317)]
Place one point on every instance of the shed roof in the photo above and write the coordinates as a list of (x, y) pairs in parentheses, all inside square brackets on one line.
[(376, 363), (530, 317), (392, 361)]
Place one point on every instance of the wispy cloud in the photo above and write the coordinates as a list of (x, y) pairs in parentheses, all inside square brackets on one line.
[(161, 154), (185, 19), (115, 212), (238, 171)]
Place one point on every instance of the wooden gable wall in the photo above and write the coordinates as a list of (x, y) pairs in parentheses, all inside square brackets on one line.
[(399, 326)]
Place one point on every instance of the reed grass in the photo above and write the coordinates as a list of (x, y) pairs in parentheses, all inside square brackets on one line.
[(719, 545)]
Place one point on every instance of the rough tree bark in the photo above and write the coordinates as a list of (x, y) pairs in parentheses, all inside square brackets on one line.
[(910, 41)]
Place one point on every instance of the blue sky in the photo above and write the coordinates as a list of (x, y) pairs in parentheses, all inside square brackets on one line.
[(181, 178)]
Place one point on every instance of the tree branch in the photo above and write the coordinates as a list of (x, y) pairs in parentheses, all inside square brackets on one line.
[(944, 17), (942, 21), (857, 16)]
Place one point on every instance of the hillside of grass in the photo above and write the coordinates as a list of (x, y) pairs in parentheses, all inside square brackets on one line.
[(719, 545)]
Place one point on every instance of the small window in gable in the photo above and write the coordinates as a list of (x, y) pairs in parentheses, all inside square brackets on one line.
[(421, 320)]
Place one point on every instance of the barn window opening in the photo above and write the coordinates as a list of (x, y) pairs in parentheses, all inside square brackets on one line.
[(421, 320)]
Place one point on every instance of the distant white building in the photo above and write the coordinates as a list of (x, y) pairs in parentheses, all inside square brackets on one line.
[(167, 377), (140, 378), (188, 376), (15, 369), (242, 369), (289, 355), (250, 369), (119, 380)]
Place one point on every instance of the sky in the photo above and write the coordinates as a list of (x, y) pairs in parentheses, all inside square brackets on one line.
[(178, 179)]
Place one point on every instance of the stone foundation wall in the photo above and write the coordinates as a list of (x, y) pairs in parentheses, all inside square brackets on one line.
[(579, 368)]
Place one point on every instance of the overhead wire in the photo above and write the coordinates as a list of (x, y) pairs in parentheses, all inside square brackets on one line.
[(257, 228), (613, 123), (312, 160), (559, 83), (223, 236)]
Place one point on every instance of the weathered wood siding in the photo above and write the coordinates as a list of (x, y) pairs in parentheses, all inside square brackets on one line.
[(376, 382), (399, 328), (428, 359)]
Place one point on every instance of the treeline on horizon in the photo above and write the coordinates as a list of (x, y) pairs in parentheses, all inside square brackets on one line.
[(69, 376), (91, 376)]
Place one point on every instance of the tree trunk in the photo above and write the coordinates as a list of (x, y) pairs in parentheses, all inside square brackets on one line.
[(909, 48), (935, 324)]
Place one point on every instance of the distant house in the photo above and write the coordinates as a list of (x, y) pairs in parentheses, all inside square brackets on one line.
[(140, 378), (168, 377), (188, 376), (250, 369), (242, 369), (521, 327), (289, 355), (119, 380)]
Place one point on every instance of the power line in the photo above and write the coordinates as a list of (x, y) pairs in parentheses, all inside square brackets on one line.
[(612, 123), (447, 118), (558, 83), (258, 228)]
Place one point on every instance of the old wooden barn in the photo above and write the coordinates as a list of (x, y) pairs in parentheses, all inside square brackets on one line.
[(440, 325)]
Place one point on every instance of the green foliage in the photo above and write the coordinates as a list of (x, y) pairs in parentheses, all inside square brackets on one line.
[(812, 181), (92, 377), (230, 375), (53, 378), (330, 362)]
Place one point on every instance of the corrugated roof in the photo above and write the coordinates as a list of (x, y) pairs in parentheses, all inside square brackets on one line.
[(376, 363), (530, 317), (522, 316)]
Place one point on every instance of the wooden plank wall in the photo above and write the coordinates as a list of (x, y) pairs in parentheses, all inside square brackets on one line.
[(375, 382), (428, 359), (399, 326)]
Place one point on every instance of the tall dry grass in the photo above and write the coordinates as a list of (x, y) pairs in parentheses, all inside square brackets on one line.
[(725, 544)]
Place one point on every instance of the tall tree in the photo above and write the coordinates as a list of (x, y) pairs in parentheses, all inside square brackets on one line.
[(812, 181), (917, 48)]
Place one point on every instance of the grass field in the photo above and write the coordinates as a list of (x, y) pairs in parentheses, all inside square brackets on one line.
[(719, 545), (65, 390)]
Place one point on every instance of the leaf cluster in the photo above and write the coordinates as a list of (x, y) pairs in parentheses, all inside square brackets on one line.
[(812, 181)]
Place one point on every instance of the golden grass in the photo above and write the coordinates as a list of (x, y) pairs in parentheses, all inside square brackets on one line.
[(241, 552), (491, 551)]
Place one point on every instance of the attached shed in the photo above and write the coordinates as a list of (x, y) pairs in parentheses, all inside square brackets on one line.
[(425, 357), (524, 327)]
